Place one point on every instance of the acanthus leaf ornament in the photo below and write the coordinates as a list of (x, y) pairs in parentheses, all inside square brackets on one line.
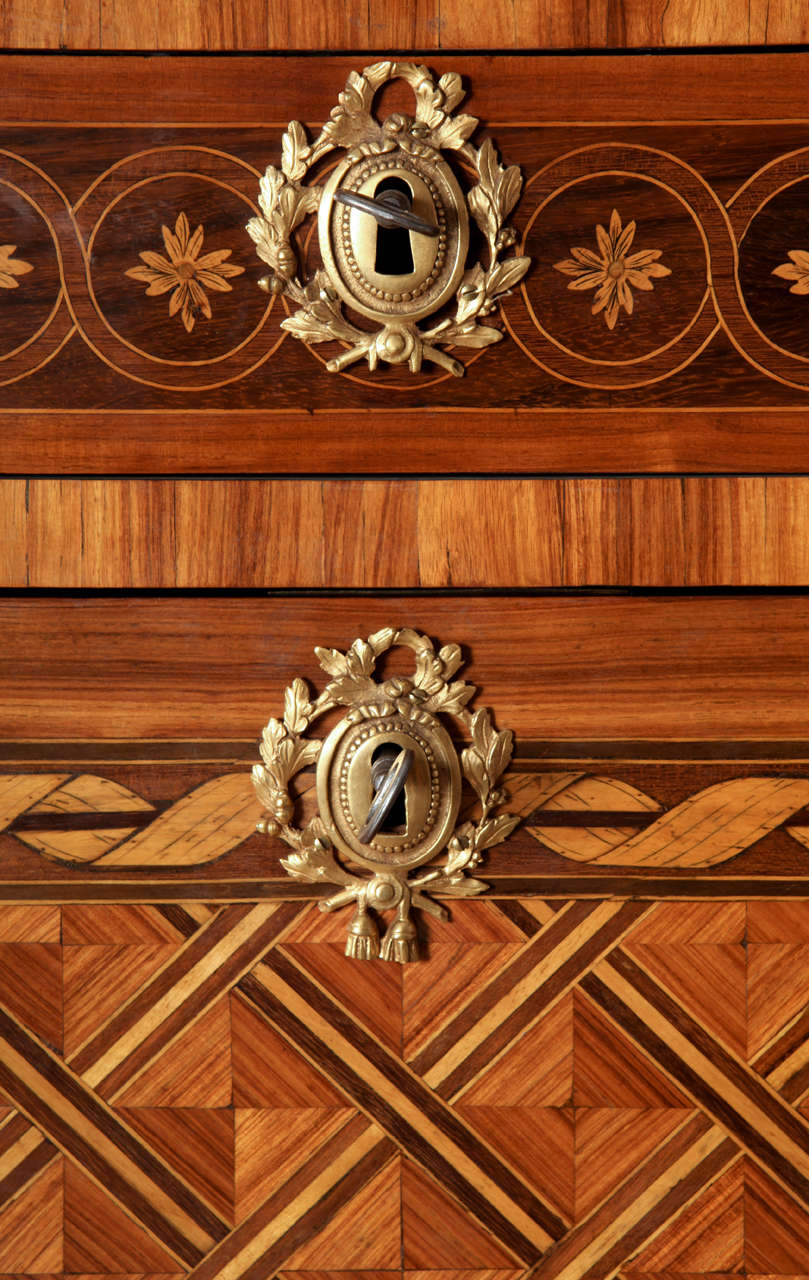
[(402, 154), (397, 715)]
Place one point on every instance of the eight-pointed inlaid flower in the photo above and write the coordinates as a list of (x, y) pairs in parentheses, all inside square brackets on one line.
[(11, 267), (186, 273), (797, 270), (613, 272)]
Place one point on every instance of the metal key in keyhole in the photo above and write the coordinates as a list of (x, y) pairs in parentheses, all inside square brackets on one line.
[(389, 772), (392, 209)]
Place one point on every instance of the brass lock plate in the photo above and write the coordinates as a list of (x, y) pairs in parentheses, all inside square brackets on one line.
[(430, 799), (352, 245), (398, 720)]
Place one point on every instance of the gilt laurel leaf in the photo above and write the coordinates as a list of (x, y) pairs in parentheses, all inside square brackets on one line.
[(332, 661), (452, 88), (488, 167), (305, 753), (272, 735), (480, 336), (297, 707), (508, 190), (295, 151), (474, 768), (506, 274), (482, 731), (453, 132), (307, 327), (499, 754), (382, 640), (495, 830)]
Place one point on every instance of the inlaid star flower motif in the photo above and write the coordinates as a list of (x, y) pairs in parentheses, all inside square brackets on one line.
[(613, 272), (797, 270), (11, 267), (185, 273)]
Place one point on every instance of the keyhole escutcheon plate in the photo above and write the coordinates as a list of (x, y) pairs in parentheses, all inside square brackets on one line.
[(349, 237), (386, 717), (432, 791), (444, 179)]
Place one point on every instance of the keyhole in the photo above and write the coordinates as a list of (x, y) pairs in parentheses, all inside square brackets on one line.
[(395, 823), (394, 255)]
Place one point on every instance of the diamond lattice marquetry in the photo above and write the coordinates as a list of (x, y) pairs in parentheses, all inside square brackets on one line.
[(559, 1089)]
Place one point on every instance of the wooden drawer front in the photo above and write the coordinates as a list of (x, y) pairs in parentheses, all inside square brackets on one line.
[(194, 1077), (596, 1062), (378, 533), (686, 174)]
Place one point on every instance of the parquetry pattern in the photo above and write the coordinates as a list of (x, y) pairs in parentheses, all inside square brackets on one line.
[(561, 1089)]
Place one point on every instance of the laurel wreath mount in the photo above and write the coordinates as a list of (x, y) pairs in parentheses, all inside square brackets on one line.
[(285, 751), (285, 201)]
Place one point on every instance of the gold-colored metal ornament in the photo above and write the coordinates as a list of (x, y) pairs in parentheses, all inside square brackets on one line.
[(389, 787), (393, 226)]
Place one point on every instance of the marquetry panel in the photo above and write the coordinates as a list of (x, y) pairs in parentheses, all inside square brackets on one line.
[(688, 818), (555, 1090), (661, 325)]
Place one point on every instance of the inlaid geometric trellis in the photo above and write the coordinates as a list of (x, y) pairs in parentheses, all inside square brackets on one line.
[(562, 1088), (600, 1068)]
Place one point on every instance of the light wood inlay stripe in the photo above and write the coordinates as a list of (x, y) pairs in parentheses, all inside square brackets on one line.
[(18, 792), (29, 1168), (584, 932), (329, 1179), (787, 1056), (175, 1002), (453, 1042), (429, 1132), (742, 1102), (665, 1182), (79, 1123), (179, 1010), (210, 963), (26, 1142)]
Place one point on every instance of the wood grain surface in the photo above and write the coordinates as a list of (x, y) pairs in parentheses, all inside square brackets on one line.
[(596, 666), (426, 24), (261, 92), (71, 442), (404, 534), (602, 1067)]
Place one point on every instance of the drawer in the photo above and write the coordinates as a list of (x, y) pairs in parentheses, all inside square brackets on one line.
[(598, 1064), (688, 172)]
